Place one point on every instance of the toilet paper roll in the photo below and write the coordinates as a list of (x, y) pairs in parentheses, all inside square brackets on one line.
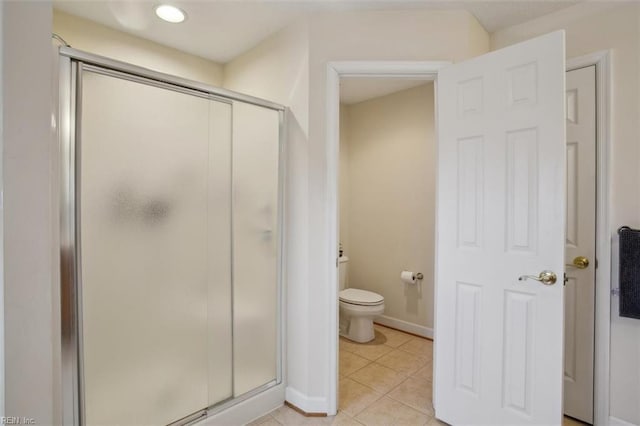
[(408, 277)]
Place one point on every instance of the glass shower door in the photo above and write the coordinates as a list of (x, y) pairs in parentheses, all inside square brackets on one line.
[(154, 194), (255, 246)]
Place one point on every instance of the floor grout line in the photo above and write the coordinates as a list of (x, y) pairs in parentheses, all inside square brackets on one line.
[(399, 372), (368, 405), (275, 420)]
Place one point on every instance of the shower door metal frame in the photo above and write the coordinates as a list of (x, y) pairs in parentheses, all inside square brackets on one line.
[(72, 62)]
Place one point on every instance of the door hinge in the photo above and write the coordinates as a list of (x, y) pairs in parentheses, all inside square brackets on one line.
[(615, 291)]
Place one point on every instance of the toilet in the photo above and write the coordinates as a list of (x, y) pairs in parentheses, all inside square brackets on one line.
[(357, 308)]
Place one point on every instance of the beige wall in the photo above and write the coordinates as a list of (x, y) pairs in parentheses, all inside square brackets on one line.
[(592, 27), (30, 311), (344, 181), (277, 69), (389, 216), (2, 285), (96, 38)]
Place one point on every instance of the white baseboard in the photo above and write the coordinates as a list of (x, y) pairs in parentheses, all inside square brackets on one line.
[(306, 403), (409, 327), (614, 421)]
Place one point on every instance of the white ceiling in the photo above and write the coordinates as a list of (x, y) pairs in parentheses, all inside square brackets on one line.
[(220, 30), (359, 89)]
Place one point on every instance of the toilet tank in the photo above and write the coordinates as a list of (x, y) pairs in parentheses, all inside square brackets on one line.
[(342, 271)]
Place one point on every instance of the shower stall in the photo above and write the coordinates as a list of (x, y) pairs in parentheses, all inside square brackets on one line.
[(171, 210)]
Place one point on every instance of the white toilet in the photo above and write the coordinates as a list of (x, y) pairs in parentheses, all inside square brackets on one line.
[(357, 308)]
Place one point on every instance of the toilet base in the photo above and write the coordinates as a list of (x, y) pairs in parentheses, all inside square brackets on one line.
[(359, 330), (356, 322)]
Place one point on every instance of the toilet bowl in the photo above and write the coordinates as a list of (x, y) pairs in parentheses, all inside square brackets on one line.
[(358, 308)]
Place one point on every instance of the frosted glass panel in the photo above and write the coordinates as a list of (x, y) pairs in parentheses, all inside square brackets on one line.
[(154, 212), (255, 220)]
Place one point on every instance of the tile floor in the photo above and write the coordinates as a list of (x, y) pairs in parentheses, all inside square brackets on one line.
[(384, 382)]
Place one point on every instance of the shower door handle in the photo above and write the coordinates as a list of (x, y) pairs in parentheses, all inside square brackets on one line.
[(266, 234)]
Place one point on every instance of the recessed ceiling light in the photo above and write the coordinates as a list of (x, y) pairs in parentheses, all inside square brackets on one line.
[(170, 13)]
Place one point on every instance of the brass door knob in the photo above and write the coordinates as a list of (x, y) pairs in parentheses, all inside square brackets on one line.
[(579, 262), (545, 277)]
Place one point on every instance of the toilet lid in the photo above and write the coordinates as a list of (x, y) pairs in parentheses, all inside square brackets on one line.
[(360, 297)]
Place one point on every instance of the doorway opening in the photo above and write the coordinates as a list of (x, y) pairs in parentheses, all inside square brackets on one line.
[(426, 71), (387, 238)]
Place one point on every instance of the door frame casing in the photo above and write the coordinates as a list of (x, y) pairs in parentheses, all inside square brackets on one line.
[(602, 61), (426, 70)]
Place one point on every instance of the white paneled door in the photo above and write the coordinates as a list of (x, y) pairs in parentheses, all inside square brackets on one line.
[(501, 217), (580, 243)]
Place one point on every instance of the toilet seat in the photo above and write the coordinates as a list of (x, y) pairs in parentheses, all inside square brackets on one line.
[(356, 296)]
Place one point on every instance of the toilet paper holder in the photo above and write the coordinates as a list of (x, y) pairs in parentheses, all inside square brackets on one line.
[(410, 277)]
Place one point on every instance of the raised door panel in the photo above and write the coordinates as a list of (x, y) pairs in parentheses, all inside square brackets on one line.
[(468, 338), (470, 192), (522, 190), (518, 352)]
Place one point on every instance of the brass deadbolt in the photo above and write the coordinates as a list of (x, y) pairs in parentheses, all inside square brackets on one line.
[(581, 262)]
